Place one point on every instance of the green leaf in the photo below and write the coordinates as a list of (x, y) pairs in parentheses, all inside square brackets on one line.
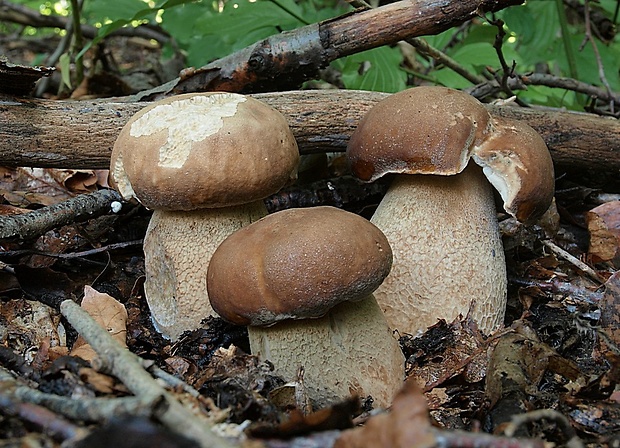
[(142, 14), (476, 55), (241, 17), (377, 69), (535, 27), (449, 78), (98, 11), (183, 22), (64, 62)]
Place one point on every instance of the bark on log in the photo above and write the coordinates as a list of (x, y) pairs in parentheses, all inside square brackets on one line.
[(285, 60), (80, 134)]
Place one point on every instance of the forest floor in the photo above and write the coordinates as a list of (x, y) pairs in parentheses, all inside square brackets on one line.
[(550, 375)]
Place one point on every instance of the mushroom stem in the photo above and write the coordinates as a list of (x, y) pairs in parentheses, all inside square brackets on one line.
[(348, 351), (448, 254), (178, 247)]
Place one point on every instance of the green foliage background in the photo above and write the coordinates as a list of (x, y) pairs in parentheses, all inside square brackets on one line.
[(207, 30)]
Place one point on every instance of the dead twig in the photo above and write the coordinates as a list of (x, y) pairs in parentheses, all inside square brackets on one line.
[(127, 367), (555, 286), (285, 60), (597, 55), (489, 88), (86, 409), (72, 255), (80, 208), (565, 255), (47, 421), (33, 132), (424, 48)]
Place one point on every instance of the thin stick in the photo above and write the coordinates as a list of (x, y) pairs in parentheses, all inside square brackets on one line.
[(557, 250), (87, 409), (36, 223), (127, 367)]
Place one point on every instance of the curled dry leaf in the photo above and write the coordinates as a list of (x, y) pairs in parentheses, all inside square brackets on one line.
[(109, 313), (604, 227), (516, 368), (406, 426), (445, 351)]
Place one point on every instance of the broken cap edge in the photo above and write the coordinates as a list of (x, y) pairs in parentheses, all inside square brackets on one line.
[(516, 161)]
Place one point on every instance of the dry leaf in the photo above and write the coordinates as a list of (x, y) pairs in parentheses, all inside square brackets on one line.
[(518, 363), (406, 426), (444, 351), (604, 227), (337, 416), (109, 313)]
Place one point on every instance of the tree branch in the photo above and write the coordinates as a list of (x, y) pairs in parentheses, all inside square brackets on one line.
[(37, 222), (80, 134), (285, 60)]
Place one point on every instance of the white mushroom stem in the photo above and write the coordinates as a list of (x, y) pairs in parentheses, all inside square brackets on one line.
[(448, 254), (350, 351), (178, 247)]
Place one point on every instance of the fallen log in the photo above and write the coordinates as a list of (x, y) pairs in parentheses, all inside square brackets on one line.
[(80, 134)]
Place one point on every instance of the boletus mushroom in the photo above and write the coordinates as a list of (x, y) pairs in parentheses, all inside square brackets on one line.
[(302, 279), (203, 163), (439, 213)]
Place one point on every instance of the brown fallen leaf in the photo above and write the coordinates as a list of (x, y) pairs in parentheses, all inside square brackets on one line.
[(406, 426), (79, 181), (109, 313), (337, 416), (445, 351), (604, 227), (516, 367)]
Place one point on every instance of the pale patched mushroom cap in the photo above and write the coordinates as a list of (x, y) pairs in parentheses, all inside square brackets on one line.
[(203, 162), (204, 150), (296, 264), (436, 130), (285, 271)]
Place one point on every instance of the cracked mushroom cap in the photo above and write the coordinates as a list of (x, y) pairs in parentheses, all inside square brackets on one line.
[(296, 264), (204, 150), (436, 130)]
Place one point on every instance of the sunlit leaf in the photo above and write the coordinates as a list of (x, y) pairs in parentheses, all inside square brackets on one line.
[(141, 14), (64, 62), (377, 69)]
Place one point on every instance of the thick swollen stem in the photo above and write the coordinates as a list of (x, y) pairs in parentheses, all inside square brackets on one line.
[(349, 351), (178, 247), (448, 254)]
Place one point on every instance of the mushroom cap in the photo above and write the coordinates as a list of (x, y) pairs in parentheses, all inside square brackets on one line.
[(516, 161), (436, 130), (296, 264), (204, 150), (422, 130)]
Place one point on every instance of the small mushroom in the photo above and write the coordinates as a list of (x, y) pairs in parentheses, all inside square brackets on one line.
[(302, 279), (439, 214), (203, 163)]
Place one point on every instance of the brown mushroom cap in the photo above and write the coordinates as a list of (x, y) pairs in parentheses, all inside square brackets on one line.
[(296, 264), (515, 159), (423, 130), (435, 130), (204, 150)]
